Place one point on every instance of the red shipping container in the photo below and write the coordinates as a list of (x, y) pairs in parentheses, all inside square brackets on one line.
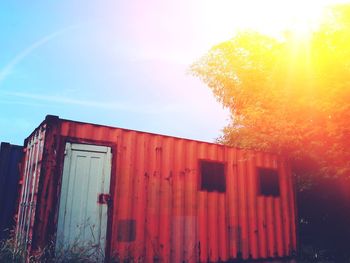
[(149, 197)]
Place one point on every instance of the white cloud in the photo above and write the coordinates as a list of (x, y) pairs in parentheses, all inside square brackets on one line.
[(105, 105), (8, 69)]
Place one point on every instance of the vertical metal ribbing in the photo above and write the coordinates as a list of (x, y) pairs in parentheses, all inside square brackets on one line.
[(27, 197), (20, 208), (24, 195), (243, 236), (177, 211), (37, 172), (232, 202), (140, 202), (213, 214), (270, 218), (127, 152), (202, 216), (32, 190), (278, 215), (165, 201), (190, 233), (252, 206), (27, 202)]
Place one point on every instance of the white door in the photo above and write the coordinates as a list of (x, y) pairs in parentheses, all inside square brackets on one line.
[(82, 219)]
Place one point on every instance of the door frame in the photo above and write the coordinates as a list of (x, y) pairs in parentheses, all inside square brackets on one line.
[(112, 187)]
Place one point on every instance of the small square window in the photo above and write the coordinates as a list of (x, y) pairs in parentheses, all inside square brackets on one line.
[(269, 183), (212, 176)]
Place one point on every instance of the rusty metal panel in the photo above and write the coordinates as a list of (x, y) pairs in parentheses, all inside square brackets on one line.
[(33, 154), (10, 157), (155, 189)]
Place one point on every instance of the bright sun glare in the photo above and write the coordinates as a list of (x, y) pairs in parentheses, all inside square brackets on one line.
[(272, 17)]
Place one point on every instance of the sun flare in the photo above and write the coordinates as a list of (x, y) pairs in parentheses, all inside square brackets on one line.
[(273, 17)]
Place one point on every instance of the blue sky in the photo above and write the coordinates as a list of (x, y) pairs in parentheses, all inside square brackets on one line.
[(119, 63), (124, 63)]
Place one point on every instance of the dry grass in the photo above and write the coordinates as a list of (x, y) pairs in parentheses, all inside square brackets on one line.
[(76, 253)]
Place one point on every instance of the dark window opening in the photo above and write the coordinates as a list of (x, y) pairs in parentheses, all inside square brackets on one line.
[(213, 176), (269, 183)]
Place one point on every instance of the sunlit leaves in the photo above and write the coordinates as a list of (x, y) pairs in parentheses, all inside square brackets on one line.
[(289, 95)]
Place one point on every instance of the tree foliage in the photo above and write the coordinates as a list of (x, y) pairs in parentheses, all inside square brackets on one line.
[(290, 94)]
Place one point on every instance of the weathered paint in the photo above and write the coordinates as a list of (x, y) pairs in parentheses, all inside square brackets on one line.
[(10, 158), (158, 212)]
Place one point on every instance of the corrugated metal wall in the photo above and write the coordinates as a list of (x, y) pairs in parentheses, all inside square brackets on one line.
[(10, 157), (31, 171), (158, 212)]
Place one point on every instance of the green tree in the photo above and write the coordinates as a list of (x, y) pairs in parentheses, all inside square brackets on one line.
[(289, 95)]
